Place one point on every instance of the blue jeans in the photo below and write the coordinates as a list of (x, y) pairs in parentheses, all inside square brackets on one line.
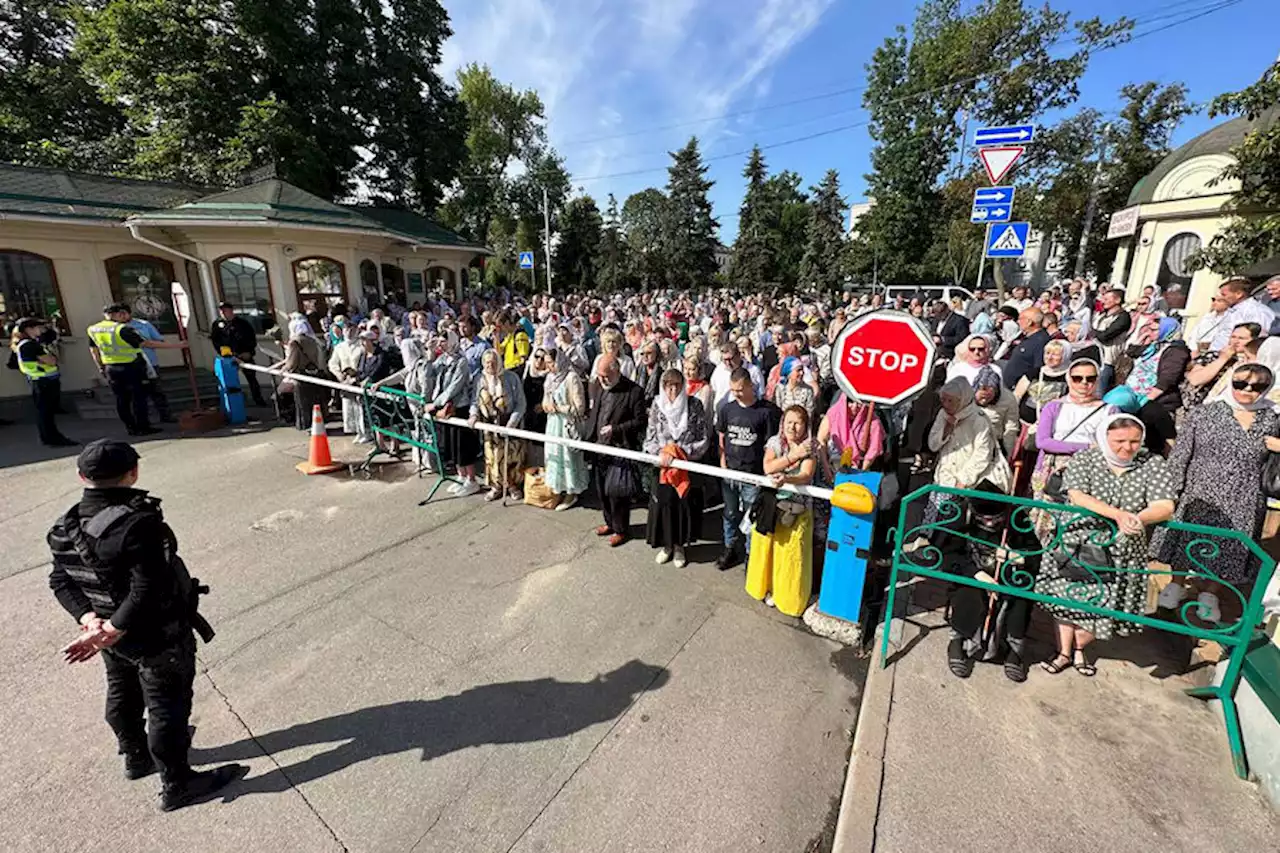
[(1106, 378), (738, 500)]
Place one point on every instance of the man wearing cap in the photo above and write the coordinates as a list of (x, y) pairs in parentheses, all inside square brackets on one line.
[(38, 363), (232, 335), (117, 572), (117, 350)]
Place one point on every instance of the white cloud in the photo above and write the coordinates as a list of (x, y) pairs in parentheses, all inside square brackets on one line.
[(609, 67)]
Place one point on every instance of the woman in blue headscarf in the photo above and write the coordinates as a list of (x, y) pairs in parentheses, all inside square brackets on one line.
[(1159, 362), (796, 386), (1158, 423)]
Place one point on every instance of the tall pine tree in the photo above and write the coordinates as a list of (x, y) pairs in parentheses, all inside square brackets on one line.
[(578, 252), (691, 229), (754, 252), (823, 262), (612, 263)]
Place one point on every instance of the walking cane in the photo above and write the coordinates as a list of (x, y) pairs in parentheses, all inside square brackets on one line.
[(506, 463)]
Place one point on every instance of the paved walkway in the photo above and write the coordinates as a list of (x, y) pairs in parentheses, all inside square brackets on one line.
[(456, 678), (1121, 762)]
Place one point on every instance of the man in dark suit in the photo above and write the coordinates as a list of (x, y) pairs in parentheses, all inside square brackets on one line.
[(949, 329), (616, 418), (1028, 356)]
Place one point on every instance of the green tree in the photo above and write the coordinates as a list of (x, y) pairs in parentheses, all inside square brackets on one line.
[(613, 262), (956, 252), (1253, 233), (998, 63), (823, 264), (753, 260), (690, 232), (788, 215), (50, 113), (577, 256), (645, 225)]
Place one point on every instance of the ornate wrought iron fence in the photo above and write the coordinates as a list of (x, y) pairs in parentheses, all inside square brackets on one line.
[(1037, 531), (397, 416)]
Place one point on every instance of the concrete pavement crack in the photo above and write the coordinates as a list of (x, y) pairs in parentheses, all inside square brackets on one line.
[(279, 769), (583, 763)]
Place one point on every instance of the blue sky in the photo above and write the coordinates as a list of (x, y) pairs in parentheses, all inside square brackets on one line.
[(615, 76)]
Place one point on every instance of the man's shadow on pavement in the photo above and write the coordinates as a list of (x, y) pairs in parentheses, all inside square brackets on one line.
[(509, 712)]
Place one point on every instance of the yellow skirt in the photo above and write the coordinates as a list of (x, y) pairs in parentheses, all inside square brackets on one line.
[(782, 563)]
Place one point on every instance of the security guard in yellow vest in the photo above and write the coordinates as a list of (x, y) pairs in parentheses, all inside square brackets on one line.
[(39, 364), (117, 350)]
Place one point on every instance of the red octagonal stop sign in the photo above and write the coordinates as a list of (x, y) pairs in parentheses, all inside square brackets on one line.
[(883, 357)]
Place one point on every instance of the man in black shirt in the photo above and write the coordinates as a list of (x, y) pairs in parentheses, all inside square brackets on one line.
[(40, 366), (949, 329), (117, 572), (616, 417), (744, 423), (234, 335), (1028, 356)]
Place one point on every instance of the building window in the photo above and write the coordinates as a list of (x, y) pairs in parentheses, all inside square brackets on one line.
[(319, 283), (369, 283), (29, 288), (142, 282), (243, 281), (1174, 278)]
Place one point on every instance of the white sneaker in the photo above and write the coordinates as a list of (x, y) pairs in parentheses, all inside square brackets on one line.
[(1171, 596), (567, 503), (663, 557), (468, 488), (680, 562), (1209, 610), (455, 486), (768, 599), (362, 440)]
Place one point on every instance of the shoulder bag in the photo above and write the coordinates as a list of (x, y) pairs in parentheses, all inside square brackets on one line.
[(1073, 562), (1054, 489)]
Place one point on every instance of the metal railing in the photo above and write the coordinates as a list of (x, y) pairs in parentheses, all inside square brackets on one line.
[(1037, 531)]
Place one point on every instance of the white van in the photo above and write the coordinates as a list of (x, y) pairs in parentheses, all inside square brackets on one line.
[(925, 292)]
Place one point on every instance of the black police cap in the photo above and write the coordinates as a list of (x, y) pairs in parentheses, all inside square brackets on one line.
[(115, 307), (107, 459)]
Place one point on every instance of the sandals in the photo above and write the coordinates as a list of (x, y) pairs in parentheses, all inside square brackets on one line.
[(1014, 668), (960, 664), (1059, 664), (1083, 666)]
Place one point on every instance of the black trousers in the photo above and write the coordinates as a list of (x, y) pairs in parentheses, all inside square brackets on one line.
[(617, 511), (255, 390), (152, 391), (47, 393), (161, 684), (131, 403)]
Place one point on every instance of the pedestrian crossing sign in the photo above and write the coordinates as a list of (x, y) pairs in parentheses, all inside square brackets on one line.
[(526, 260), (1008, 240)]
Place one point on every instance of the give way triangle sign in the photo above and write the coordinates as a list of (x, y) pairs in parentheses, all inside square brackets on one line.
[(998, 161)]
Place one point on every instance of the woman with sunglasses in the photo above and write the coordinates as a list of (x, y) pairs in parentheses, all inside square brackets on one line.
[(1126, 490), (974, 353), (1065, 427), (1217, 466)]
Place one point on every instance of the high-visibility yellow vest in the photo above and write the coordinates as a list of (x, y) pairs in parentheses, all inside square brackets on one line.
[(112, 348), (34, 370)]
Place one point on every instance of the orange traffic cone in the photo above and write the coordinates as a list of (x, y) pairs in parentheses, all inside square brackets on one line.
[(320, 461)]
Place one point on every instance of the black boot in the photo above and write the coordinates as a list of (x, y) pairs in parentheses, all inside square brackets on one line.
[(199, 787), (960, 664), (138, 763)]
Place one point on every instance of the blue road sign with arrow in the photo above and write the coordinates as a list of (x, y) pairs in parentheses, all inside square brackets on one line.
[(526, 260), (1016, 134), (1008, 240), (993, 195), (993, 204)]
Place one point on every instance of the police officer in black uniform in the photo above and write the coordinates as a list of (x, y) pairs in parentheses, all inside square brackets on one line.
[(117, 572)]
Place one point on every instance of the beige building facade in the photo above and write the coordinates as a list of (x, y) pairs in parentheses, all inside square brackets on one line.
[(72, 243)]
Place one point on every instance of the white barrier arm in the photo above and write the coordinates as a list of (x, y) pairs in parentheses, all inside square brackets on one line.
[(586, 446)]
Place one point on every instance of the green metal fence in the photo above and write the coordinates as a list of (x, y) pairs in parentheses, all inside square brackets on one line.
[(1062, 527), (397, 418)]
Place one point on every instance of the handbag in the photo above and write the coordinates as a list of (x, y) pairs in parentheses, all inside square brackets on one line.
[(621, 481), (537, 492), (1271, 476), (1073, 562)]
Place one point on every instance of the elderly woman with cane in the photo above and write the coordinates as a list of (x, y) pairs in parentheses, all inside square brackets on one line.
[(499, 399)]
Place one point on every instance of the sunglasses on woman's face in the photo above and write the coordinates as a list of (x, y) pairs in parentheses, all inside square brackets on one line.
[(1088, 379), (1246, 385), (977, 349)]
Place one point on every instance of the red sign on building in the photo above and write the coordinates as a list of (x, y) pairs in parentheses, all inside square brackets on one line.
[(883, 357)]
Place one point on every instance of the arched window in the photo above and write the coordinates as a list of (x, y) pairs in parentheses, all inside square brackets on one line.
[(369, 282), (143, 282), (29, 288), (243, 281), (319, 283), (1175, 273)]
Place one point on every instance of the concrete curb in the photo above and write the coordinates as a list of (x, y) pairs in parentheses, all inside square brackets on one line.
[(860, 802)]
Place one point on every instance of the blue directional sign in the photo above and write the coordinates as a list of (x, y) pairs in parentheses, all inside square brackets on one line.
[(993, 195), (993, 204), (1016, 134), (526, 260), (1008, 240)]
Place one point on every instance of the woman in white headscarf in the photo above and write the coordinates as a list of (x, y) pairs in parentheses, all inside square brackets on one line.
[(344, 365), (499, 399), (565, 402), (1102, 558), (452, 396), (974, 353), (1217, 465), (304, 356), (677, 429)]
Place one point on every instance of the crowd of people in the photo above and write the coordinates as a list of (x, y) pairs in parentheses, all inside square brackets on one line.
[(1069, 396)]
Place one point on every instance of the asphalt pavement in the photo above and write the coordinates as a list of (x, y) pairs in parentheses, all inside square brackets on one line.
[(455, 677)]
